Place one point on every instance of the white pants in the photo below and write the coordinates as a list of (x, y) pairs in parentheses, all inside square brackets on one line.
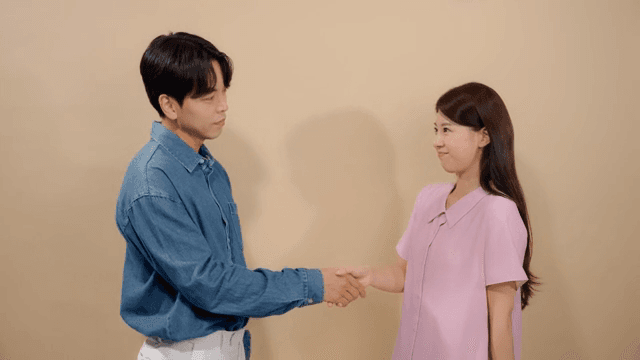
[(220, 345)]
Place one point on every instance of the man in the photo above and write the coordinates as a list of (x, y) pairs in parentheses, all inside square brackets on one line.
[(185, 282)]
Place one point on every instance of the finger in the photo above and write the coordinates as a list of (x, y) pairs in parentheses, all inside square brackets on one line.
[(357, 271), (356, 284), (329, 304), (349, 292), (343, 302), (354, 292), (348, 270)]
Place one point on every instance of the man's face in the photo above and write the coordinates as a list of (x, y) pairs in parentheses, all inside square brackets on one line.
[(203, 118)]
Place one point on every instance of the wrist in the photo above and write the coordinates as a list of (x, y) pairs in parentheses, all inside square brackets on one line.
[(372, 276), (315, 285)]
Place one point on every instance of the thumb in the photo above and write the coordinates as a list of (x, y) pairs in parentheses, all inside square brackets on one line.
[(341, 271), (357, 271)]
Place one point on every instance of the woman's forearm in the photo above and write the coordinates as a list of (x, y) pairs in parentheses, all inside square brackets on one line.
[(500, 339), (388, 278)]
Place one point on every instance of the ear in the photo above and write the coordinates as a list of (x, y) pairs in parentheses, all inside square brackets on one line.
[(484, 137), (169, 106)]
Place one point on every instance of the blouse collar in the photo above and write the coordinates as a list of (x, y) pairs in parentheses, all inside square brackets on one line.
[(460, 208)]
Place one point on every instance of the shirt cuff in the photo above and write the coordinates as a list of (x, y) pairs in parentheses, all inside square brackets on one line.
[(315, 287)]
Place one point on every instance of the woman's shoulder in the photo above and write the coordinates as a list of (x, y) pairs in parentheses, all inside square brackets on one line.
[(500, 207), (438, 187), (433, 190)]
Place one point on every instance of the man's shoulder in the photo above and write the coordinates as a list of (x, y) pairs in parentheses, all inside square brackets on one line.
[(147, 175), (140, 166)]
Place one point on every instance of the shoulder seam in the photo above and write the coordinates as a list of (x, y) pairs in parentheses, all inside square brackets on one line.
[(505, 213), (126, 212)]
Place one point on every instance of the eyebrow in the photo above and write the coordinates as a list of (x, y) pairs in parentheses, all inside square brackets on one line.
[(445, 124)]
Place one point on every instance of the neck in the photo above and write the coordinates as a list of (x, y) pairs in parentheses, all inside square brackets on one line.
[(175, 128), (469, 180)]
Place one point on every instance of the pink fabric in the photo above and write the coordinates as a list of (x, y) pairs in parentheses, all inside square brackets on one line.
[(452, 255)]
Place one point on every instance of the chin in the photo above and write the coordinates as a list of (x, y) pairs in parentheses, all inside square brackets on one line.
[(215, 134), (445, 168), (449, 170)]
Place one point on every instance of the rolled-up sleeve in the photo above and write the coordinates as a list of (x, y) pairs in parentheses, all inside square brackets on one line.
[(178, 251)]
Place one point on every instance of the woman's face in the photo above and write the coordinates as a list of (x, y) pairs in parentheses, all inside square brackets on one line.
[(458, 147)]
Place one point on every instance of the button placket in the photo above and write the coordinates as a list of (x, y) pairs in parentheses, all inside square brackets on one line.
[(224, 218), (441, 221)]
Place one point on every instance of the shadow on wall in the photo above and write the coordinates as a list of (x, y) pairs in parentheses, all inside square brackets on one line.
[(549, 329), (244, 168), (246, 173), (343, 165)]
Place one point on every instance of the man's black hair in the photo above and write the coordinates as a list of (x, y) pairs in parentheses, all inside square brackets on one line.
[(179, 65)]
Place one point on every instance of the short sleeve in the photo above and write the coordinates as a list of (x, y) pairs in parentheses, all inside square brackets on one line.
[(505, 245), (403, 246)]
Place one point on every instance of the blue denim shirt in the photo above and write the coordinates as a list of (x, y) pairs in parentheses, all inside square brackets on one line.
[(185, 274)]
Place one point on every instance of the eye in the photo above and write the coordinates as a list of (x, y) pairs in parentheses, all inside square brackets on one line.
[(446, 129)]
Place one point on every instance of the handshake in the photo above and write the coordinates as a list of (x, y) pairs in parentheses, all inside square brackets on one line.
[(344, 285)]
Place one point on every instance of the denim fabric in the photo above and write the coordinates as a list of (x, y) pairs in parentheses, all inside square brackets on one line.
[(247, 343), (185, 274)]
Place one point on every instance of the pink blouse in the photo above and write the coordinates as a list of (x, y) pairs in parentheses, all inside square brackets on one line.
[(452, 256)]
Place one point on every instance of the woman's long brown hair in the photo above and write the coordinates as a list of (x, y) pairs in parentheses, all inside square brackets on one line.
[(477, 106)]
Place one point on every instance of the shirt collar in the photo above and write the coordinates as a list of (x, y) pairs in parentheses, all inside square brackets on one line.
[(179, 149), (457, 210)]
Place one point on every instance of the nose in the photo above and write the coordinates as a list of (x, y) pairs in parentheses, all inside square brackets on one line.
[(222, 105), (437, 143)]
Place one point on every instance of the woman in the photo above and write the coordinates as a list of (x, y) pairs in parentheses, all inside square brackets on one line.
[(463, 261)]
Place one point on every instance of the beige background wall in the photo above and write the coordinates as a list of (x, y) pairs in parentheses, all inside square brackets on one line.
[(328, 141)]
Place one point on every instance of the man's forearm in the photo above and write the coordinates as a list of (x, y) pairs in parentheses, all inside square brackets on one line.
[(237, 291)]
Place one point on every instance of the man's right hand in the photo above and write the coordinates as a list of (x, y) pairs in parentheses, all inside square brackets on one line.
[(341, 289)]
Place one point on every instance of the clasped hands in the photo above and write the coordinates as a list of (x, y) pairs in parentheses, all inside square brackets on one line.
[(345, 284)]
